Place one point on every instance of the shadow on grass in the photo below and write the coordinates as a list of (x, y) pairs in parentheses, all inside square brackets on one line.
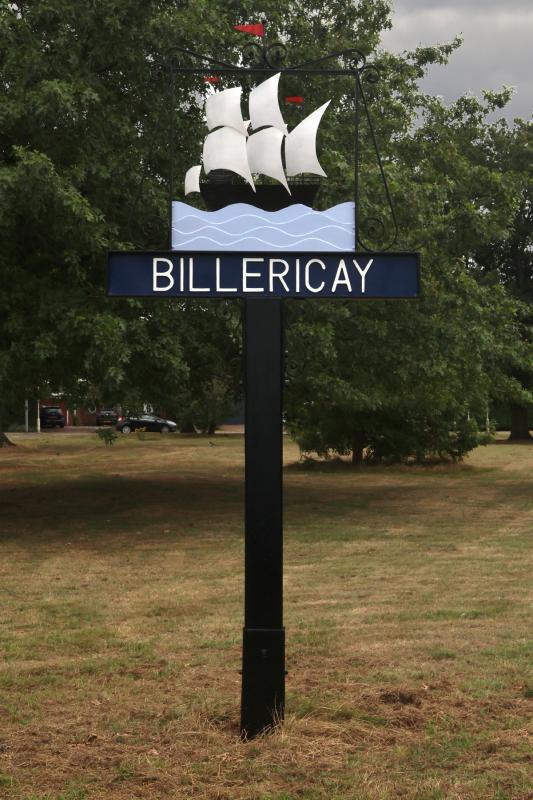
[(92, 510), (346, 466), (116, 505)]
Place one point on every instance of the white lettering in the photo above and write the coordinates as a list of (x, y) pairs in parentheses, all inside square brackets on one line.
[(279, 275), (246, 275), (192, 287), (307, 268), (341, 270), (219, 287), (182, 271), (297, 276), (362, 272), (159, 272)]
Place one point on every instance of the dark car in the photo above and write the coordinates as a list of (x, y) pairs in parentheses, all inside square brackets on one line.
[(51, 417), (148, 422), (107, 416)]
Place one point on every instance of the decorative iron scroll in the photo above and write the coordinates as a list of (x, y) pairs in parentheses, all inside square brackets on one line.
[(268, 58)]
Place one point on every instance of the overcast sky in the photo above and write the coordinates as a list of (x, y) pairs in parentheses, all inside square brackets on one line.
[(497, 48)]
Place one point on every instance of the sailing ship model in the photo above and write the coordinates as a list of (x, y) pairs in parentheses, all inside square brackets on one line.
[(269, 149)]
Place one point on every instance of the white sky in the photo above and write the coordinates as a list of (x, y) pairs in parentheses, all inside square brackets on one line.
[(497, 49)]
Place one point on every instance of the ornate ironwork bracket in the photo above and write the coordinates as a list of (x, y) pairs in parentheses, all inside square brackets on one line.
[(269, 58)]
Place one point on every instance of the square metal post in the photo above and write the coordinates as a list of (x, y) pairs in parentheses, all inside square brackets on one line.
[(263, 663)]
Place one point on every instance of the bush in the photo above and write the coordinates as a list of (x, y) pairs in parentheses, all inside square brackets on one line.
[(389, 438), (423, 440), (107, 435)]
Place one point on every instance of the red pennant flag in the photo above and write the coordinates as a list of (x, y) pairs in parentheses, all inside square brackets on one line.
[(212, 79), (255, 30), (297, 100)]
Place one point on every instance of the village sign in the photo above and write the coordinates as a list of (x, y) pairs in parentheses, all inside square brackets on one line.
[(263, 241)]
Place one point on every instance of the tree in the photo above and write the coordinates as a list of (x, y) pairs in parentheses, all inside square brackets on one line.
[(422, 371), (84, 167), (509, 260)]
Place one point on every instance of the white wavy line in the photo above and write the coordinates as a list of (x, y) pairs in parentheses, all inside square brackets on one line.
[(200, 214), (185, 244), (312, 215), (289, 211), (269, 228), (281, 211)]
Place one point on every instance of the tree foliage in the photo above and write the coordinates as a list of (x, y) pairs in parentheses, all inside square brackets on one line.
[(509, 261), (408, 380), (84, 167)]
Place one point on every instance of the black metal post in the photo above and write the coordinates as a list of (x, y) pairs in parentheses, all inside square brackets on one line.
[(263, 662), (171, 148), (357, 157)]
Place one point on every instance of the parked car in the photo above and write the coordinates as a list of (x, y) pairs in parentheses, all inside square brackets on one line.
[(149, 422), (51, 417), (107, 416)]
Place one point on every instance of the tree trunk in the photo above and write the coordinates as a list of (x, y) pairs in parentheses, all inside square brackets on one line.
[(519, 424), (358, 449), (187, 426)]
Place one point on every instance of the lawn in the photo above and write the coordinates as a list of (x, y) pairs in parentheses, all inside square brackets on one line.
[(408, 607)]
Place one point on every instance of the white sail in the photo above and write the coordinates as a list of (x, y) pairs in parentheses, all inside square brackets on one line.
[(300, 145), (192, 179), (264, 154), (264, 106), (224, 108), (229, 146), (226, 149)]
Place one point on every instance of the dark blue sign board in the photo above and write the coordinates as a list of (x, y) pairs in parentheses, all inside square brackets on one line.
[(263, 275)]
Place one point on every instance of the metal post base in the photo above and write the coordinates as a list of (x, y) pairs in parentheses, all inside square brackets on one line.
[(263, 680)]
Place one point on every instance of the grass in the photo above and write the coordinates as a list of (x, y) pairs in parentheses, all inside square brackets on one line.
[(408, 611)]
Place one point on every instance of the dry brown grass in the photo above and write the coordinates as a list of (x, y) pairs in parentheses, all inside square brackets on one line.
[(408, 613)]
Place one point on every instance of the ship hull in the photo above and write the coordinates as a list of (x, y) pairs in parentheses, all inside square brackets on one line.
[(268, 198)]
